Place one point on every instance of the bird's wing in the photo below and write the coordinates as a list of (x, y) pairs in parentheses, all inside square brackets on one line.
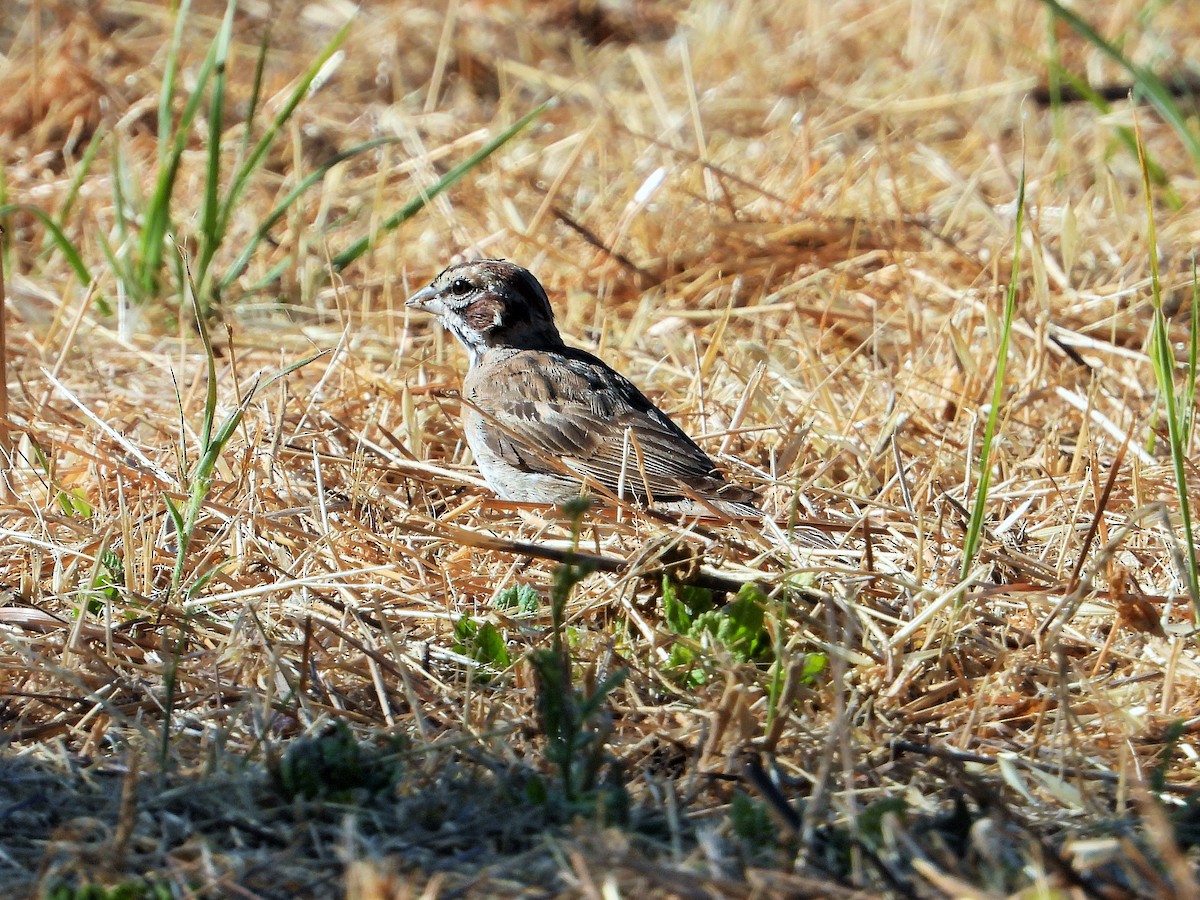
[(556, 409)]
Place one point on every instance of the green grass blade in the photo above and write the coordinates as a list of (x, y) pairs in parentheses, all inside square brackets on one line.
[(975, 525), (120, 208), (209, 207), (120, 272), (57, 235), (251, 164), (1163, 361), (158, 211), (1124, 133), (167, 94), (410, 209), (270, 277), (1054, 78), (1147, 84), (265, 226), (1189, 394), (234, 419), (181, 540), (210, 360), (260, 66), (81, 172), (197, 483)]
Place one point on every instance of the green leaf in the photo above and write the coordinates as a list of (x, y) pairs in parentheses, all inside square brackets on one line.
[(74, 503), (753, 592), (679, 619), (814, 665), (524, 598), (481, 642), (683, 657), (738, 627), (683, 603), (491, 648)]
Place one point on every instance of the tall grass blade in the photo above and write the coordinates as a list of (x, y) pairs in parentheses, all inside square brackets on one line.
[(1162, 358), (1124, 133), (167, 94), (219, 213), (281, 208), (158, 211), (410, 209), (120, 199), (57, 235), (260, 66), (213, 438), (975, 524), (82, 170), (252, 162), (210, 211), (1146, 83), (1189, 395)]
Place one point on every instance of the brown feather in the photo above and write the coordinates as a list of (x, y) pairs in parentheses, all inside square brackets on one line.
[(545, 420), (566, 405)]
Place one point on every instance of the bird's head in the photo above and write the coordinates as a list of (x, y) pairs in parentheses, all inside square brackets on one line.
[(490, 303)]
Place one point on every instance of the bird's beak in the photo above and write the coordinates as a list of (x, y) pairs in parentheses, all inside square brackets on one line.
[(427, 299)]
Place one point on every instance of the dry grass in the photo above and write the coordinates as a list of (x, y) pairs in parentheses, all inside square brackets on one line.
[(791, 223)]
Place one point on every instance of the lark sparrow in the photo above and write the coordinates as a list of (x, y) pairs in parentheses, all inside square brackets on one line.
[(547, 422)]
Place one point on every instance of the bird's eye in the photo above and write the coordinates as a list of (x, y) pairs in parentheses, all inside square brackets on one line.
[(460, 287)]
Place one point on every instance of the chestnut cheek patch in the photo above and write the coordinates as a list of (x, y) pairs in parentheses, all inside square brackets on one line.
[(484, 314)]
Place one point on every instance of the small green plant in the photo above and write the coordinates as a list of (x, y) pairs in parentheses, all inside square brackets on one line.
[(738, 627), (144, 238), (334, 766), (196, 486), (213, 439), (752, 826), (483, 643), (573, 720), (74, 503), (107, 579), (129, 890)]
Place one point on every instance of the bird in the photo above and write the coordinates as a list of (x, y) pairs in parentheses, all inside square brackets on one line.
[(547, 422)]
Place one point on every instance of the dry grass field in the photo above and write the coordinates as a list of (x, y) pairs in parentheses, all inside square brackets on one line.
[(273, 636)]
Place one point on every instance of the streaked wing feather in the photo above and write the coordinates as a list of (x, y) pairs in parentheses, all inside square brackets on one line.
[(572, 407)]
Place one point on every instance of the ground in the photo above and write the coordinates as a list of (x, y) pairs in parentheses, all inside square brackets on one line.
[(265, 632)]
